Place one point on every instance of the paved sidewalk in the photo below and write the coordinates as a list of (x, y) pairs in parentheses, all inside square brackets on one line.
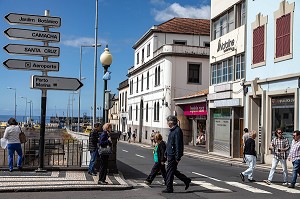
[(57, 180)]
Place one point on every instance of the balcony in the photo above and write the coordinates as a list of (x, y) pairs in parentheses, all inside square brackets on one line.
[(182, 49)]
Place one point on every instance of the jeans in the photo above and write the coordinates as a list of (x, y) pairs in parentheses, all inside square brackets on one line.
[(296, 166), (11, 152), (94, 155), (284, 169), (251, 162)]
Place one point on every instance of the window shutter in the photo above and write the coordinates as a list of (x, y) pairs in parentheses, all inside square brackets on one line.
[(283, 25), (258, 44)]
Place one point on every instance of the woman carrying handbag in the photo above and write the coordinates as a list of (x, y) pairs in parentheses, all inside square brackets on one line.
[(104, 143)]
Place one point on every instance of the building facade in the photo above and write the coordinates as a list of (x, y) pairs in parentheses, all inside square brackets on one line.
[(169, 62), (123, 105), (272, 74), (227, 76)]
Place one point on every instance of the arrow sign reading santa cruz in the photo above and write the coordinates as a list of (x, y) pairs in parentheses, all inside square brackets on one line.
[(18, 33), (55, 83), (17, 64), (32, 50), (35, 20)]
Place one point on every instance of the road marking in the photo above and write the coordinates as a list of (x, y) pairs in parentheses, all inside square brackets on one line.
[(139, 155), (119, 179), (210, 186), (206, 176), (279, 187), (247, 187), (124, 150)]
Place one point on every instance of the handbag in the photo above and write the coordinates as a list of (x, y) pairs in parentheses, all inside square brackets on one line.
[(105, 150), (22, 137)]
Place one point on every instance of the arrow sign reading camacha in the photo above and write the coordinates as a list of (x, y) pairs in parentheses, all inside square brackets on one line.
[(55, 83), (18, 64), (32, 50), (33, 20), (17, 33)]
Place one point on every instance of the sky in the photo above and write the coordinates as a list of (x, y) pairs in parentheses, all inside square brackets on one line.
[(121, 23)]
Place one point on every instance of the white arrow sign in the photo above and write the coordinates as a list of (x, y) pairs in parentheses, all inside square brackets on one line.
[(32, 50), (55, 83), (17, 33), (18, 64), (35, 20)]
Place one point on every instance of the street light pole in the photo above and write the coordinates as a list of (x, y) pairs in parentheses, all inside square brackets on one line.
[(15, 100), (95, 65), (25, 106)]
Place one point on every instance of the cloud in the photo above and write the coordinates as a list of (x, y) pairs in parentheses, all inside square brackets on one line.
[(79, 41), (176, 10), (158, 2)]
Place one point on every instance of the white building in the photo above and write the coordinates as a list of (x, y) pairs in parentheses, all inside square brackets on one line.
[(123, 106), (227, 75), (113, 114), (169, 62)]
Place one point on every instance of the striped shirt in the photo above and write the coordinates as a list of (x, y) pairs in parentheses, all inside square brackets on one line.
[(11, 133), (282, 143), (295, 151)]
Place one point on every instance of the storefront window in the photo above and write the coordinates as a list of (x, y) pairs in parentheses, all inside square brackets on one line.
[(283, 115), (201, 138)]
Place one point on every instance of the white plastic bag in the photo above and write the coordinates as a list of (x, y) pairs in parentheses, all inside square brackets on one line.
[(3, 143)]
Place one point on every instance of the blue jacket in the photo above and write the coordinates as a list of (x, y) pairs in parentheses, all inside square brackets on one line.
[(175, 143), (103, 140)]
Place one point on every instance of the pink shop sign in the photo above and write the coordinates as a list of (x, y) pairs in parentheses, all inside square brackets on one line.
[(195, 109)]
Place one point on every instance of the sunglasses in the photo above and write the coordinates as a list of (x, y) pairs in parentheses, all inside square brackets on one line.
[(279, 132)]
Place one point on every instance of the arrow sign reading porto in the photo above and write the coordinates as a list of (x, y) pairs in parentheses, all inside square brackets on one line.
[(18, 33), (32, 50), (36, 20), (18, 64), (55, 83)]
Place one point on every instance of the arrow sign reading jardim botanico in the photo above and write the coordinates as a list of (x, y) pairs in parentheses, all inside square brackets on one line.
[(35, 20), (17, 33), (55, 83), (32, 50), (18, 64)]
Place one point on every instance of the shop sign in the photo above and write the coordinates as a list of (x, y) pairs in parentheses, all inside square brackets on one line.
[(281, 101), (195, 109)]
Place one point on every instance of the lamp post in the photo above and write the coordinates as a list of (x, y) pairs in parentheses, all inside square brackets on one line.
[(106, 60), (15, 100), (25, 106), (95, 65), (81, 78), (30, 111)]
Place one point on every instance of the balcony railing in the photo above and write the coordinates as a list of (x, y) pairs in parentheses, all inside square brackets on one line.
[(182, 49)]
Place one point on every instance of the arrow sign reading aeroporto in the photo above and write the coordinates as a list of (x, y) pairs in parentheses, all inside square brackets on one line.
[(36, 20), (55, 83), (17, 33), (32, 50), (18, 64)]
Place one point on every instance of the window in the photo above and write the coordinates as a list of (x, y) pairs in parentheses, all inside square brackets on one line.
[(120, 102), (155, 74), (157, 111), (194, 71), (213, 74), (137, 84), (258, 44), (125, 101), (283, 20), (148, 50), (241, 14), (137, 58), (223, 24), (131, 87), (143, 54), (148, 80), (179, 42), (136, 112), (240, 66), (223, 71), (130, 113), (142, 82), (154, 111), (147, 112), (158, 75), (230, 70)]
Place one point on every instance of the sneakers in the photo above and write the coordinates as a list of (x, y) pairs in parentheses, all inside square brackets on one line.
[(92, 173), (242, 177), (285, 184), (251, 180), (102, 182), (291, 186), (267, 182)]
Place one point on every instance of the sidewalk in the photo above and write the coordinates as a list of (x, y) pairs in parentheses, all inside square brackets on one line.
[(29, 181)]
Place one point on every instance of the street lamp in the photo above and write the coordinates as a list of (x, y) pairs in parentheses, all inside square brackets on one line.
[(106, 60), (25, 107), (81, 78), (31, 104), (15, 100)]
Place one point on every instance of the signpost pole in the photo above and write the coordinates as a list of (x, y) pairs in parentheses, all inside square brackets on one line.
[(43, 114)]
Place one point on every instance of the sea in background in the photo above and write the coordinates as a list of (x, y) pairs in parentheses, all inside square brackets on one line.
[(20, 118)]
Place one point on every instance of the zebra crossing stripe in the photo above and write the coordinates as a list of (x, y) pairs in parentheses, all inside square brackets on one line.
[(279, 187), (210, 186), (247, 187)]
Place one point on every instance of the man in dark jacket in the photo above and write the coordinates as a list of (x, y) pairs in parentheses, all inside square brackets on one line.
[(174, 152), (93, 148)]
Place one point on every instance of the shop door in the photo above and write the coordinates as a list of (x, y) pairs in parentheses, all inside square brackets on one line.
[(241, 137)]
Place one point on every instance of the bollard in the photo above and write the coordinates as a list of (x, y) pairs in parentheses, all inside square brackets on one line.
[(112, 160)]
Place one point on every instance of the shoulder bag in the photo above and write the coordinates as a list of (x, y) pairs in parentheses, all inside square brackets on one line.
[(22, 137), (105, 150)]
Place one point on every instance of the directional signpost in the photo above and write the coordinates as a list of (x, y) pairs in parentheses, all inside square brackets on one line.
[(18, 33), (55, 83), (33, 20), (18, 64), (32, 50)]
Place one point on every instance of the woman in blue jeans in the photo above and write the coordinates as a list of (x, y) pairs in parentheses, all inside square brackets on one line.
[(13, 143)]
